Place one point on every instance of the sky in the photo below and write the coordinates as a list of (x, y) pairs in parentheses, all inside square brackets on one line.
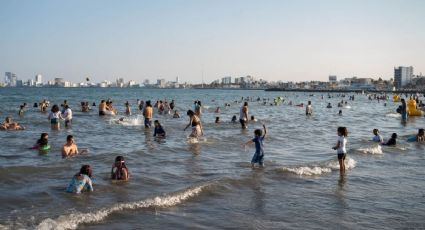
[(200, 40)]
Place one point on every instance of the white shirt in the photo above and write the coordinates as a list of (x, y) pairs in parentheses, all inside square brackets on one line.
[(342, 143), (68, 114), (308, 109), (242, 114)]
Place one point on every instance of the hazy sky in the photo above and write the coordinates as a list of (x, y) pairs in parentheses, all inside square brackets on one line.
[(274, 40)]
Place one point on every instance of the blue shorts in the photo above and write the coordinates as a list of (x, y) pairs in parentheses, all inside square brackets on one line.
[(258, 158), (148, 122), (404, 116)]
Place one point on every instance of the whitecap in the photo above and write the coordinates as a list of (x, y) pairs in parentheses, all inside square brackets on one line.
[(73, 220), (372, 150), (395, 115), (319, 169)]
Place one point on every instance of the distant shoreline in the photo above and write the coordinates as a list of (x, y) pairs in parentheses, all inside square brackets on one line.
[(343, 91)]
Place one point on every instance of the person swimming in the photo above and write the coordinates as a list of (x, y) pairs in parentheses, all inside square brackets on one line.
[(42, 143), (329, 106), (10, 125), (159, 130), (392, 141), (119, 169), (176, 114), (81, 181), (420, 137), (377, 138), (217, 120), (233, 119), (70, 148)]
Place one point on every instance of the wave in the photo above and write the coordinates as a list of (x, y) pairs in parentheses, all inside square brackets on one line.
[(395, 115), (128, 121), (71, 221), (319, 169), (371, 150)]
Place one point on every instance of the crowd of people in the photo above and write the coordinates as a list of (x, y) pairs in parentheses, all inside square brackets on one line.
[(82, 180)]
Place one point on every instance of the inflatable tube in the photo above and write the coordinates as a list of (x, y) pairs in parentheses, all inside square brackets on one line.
[(413, 111), (396, 98)]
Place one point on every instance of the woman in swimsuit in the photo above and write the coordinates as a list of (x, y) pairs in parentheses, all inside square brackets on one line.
[(195, 122), (55, 116)]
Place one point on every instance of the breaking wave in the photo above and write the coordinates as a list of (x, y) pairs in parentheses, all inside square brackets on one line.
[(319, 169), (71, 221)]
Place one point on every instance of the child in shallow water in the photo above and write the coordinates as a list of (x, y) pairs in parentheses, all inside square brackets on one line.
[(258, 157), (81, 181), (341, 147), (119, 170), (392, 141), (159, 130), (377, 138)]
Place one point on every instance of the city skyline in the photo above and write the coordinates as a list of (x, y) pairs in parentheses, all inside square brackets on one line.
[(206, 40)]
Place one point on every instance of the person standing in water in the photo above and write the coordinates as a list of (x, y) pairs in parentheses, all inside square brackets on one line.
[(127, 108), (148, 114), (55, 116), (341, 147), (258, 157), (67, 115), (243, 115), (196, 124), (102, 108), (309, 109), (403, 110)]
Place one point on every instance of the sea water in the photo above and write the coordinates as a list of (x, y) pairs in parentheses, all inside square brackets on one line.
[(179, 183)]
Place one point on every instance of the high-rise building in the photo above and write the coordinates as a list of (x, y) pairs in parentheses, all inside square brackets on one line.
[(38, 79), (226, 80), (403, 76), (10, 79), (332, 78)]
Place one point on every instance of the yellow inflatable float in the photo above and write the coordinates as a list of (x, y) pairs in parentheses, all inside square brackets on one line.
[(413, 111), (396, 98)]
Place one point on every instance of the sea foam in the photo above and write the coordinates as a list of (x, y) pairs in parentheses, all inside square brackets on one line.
[(319, 169), (71, 221)]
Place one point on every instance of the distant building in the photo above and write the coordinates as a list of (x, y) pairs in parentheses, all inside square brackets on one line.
[(59, 82), (332, 79), (161, 83), (120, 82), (226, 80), (19, 83), (38, 79), (403, 76), (10, 79)]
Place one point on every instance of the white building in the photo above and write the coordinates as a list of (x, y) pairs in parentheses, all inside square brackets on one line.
[(161, 83), (403, 76), (38, 79)]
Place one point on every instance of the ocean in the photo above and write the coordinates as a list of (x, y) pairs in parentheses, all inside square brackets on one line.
[(177, 183)]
